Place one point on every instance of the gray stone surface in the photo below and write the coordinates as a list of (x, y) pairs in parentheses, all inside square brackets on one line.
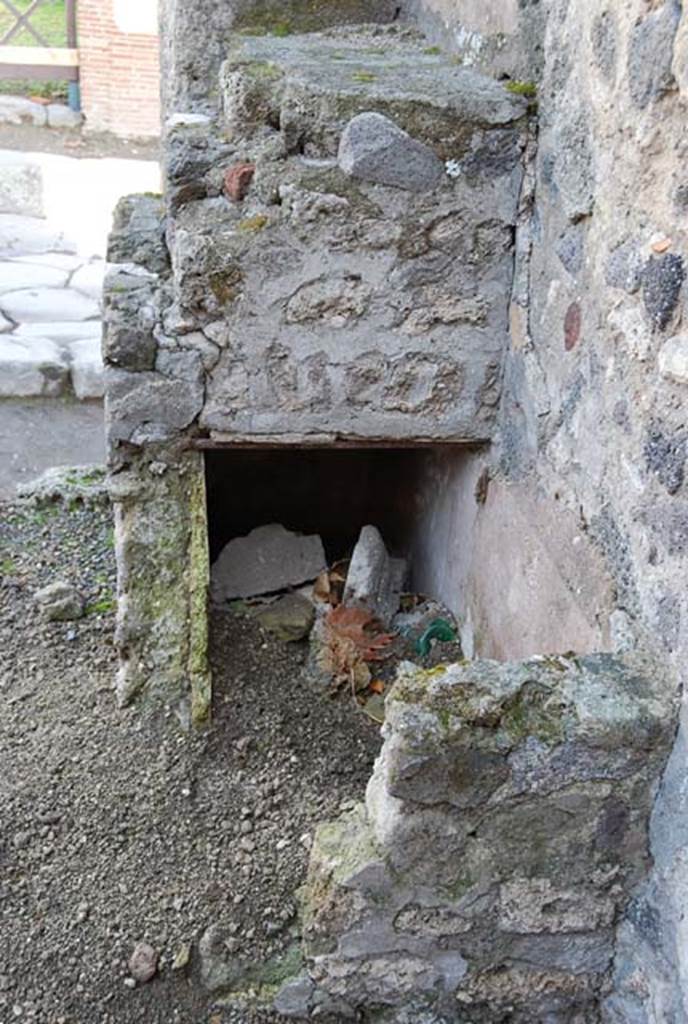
[(31, 368), (373, 148), (651, 54), (59, 602), (268, 559), (505, 828), (374, 580)]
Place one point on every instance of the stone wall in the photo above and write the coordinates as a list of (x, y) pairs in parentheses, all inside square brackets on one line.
[(592, 444), (504, 828)]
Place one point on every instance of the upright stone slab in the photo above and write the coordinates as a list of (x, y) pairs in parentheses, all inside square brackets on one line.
[(505, 828)]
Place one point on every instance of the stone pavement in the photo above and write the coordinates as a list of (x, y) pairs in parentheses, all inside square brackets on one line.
[(49, 313), (55, 214)]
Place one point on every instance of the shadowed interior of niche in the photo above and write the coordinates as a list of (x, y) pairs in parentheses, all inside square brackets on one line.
[(331, 492)]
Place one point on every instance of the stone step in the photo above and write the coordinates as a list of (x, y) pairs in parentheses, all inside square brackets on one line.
[(312, 85), (34, 365), (14, 276)]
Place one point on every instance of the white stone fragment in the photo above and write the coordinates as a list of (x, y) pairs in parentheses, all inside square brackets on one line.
[(29, 369), (374, 580), (269, 559), (673, 358), (47, 305), (87, 368)]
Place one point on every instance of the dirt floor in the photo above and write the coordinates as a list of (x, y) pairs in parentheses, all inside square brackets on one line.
[(115, 830), (30, 139)]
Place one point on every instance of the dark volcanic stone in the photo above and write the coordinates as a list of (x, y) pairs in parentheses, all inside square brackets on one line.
[(662, 280), (665, 456)]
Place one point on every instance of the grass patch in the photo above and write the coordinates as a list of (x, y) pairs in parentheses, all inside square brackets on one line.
[(103, 606), (527, 89), (50, 22), (364, 76)]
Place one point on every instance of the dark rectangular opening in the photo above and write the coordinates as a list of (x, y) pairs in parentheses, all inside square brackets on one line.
[(413, 495)]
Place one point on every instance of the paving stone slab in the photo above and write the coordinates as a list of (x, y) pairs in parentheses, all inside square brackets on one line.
[(14, 276), (86, 368), (48, 305), (89, 279), (60, 260), (22, 236), (29, 369), (62, 332)]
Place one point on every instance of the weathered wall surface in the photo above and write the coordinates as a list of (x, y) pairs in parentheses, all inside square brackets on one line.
[(594, 415)]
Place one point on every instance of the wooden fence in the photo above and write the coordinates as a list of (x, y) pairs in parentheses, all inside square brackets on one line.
[(40, 60)]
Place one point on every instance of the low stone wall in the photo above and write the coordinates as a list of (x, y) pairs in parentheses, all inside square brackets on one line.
[(505, 827)]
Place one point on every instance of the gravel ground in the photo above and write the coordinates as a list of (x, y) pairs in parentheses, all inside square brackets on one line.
[(116, 830)]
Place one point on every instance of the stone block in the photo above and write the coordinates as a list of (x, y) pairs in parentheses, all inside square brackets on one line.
[(651, 53), (30, 368), (506, 824), (374, 580), (268, 559), (86, 366), (21, 185), (374, 149), (138, 233), (147, 407), (312, 86)]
